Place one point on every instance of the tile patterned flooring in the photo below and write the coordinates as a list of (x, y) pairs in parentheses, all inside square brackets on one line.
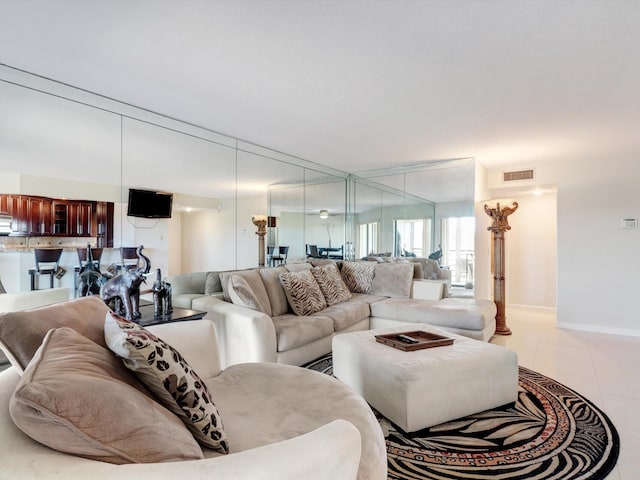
[(604, 368)]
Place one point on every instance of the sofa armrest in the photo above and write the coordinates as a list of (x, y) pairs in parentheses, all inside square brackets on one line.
[(428, 289), (331, 451), (445, 274), (13, 302), (244, 335)]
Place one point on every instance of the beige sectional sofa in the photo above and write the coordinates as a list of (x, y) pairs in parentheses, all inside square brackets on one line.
[(274, 332)]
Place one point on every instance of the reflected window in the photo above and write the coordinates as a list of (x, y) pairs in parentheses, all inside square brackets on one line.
[(458, 248), (367, 239), (413, 237)]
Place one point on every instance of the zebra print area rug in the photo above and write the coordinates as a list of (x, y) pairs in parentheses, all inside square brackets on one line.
[(552, 432)]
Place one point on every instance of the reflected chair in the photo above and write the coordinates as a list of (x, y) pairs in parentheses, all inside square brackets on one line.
[(312, 251), (47, 263), (129, 259), (281, 256), (96, 254), (270, 256)]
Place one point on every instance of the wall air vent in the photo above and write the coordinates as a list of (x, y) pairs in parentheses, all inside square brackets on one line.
[(517, 175)]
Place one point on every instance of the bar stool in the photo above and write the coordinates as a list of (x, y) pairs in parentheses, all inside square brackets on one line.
[(47, 263), (129, 258)]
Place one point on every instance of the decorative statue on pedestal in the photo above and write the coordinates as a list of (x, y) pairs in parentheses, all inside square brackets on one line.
[(124, 289), (161, 296)]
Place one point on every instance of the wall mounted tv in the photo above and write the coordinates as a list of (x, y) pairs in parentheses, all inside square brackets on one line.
[(149, 204)]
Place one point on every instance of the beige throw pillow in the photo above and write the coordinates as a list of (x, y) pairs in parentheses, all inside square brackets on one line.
[(169, 377), (254, 281), (392, 280), (77, 397), (241, 293), (358, 276), (21, 333), (303, 292), (331, 284), (277, 298)]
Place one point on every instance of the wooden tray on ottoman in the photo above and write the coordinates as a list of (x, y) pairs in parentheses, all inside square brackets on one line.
[(424, 340)]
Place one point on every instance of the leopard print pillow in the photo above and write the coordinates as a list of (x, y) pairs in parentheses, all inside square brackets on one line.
[(169, 377)]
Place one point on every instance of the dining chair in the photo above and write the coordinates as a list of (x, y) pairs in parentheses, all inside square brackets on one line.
[(281, 256)]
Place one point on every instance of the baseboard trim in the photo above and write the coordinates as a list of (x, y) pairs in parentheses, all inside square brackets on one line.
[(596, 329)]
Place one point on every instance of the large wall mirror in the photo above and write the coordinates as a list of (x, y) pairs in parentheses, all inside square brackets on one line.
[(417, 211), (64, 143)]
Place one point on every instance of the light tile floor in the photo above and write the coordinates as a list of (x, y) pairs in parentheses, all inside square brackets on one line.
[(603, 368)]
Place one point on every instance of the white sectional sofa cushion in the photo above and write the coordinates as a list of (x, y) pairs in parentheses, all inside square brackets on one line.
[(469, 317)]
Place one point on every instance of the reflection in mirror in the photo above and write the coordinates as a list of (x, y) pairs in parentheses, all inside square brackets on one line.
[(422, 208), (255, 174), (325, 213), (297, 206), (199, 173), (52, 148), (58, 141)]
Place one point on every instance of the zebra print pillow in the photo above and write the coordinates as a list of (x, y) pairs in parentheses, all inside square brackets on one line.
[(358, 276), (303, 292), (331, 284)]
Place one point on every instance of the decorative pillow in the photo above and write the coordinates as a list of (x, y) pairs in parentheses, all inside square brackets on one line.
[(277, 297), (431, 269), (331, 284), (21, 333), (212, 283), (77, 397), (358, 276), (298, 267), (392, 280), (169, 377), (303, 292), (241, 294), (255, 283)]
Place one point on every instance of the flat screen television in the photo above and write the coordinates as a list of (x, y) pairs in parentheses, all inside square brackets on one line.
[(149, 204)]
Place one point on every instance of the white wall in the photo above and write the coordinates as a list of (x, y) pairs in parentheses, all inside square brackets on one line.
[(531, 252), (483, 286), (598, 262), (213, 240)]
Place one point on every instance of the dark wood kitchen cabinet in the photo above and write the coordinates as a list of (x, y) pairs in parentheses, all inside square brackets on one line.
[(40, 215), (20, 212), (103, 220), (43, 216), (79, 215), (4, 205)]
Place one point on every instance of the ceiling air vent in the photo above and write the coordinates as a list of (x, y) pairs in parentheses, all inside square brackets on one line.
[(517, 175)]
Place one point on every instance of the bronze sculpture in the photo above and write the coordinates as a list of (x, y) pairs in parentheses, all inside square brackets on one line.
[(161, 296), (124, 289), (90, 278)]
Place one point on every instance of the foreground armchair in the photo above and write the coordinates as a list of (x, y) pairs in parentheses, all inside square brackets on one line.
[(281, 422)]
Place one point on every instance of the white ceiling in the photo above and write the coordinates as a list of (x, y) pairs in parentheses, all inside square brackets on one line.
[(357, 85)]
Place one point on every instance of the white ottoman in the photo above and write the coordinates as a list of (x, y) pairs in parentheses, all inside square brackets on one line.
[(426, 387)]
